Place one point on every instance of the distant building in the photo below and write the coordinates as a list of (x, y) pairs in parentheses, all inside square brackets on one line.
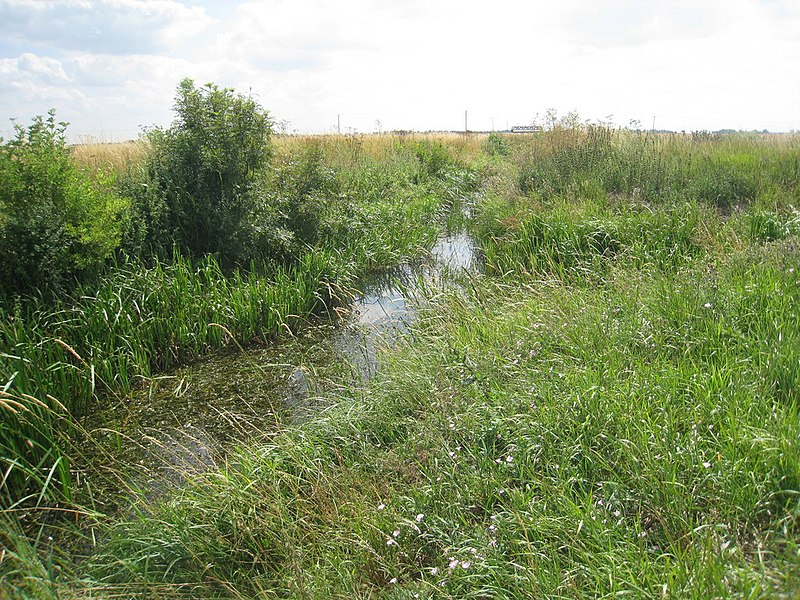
[(525, 129)]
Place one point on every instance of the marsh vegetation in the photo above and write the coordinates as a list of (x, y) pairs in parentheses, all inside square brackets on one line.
[(607, 406)]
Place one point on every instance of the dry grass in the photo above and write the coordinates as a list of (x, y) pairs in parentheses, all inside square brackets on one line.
[(115, 157), (379, 146)]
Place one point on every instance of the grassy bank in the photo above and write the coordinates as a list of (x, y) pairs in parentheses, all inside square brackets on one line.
[(611, 409), (337, 212), (536, 440)]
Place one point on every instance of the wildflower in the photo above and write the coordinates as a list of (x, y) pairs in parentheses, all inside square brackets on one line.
[(435, 571), (707, 305), (381, 506), (393, 580), (707, 465), (509, 459), (642, 534), (419, 518), (396, 533), (465, 564), (391, 542), (617, 513), (452, 564)]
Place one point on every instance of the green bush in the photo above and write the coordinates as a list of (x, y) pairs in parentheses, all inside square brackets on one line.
[(433, 159), (300, 191), (201, 185), (496, 145), (57, 224)]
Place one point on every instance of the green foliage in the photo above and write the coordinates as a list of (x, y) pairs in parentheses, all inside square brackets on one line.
[(768, 226), (58, 358), (582, 242), (301, 190), (595, 162), (534, 441), (496, 145), (202, 182), (726, 183), (433, 158), (534, 436), (56, 223)]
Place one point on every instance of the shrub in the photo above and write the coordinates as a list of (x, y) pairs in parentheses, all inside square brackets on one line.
[(433, 159), (201, 186), (496, 145), (57, 224)]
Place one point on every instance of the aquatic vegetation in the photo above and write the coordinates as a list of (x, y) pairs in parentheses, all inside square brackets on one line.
[(609, 408)]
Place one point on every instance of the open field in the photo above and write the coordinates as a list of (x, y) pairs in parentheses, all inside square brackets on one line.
[(607, 406)]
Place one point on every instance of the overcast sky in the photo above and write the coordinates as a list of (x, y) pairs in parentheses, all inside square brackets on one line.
[(110, 67)]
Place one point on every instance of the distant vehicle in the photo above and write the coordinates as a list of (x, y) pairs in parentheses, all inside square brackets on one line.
[(525, 129)]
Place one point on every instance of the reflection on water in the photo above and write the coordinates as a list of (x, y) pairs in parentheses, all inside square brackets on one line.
[(181, 422), (386, 306)]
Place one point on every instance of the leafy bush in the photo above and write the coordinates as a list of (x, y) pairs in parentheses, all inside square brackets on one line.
[(433, 159), (56, 223), (300, 191), (496, 145), (201, 185)]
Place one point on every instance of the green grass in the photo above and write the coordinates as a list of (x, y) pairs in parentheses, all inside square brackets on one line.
[(60, 358), (534, 441), (611, 410)]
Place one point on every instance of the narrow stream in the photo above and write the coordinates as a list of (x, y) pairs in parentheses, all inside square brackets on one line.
[(183, 421)]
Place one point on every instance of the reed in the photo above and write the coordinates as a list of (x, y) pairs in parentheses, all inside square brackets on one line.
[(611, 409), (532, 441), (139, 321)]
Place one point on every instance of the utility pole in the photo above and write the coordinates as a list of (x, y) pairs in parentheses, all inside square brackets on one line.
[(466, 129)]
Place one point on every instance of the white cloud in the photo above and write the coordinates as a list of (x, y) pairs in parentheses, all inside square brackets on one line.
[(418, 64), (104, 26)]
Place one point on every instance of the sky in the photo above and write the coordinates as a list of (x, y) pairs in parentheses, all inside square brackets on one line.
[(111, 67)]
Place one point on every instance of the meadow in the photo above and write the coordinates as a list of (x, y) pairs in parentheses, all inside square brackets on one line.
[(608, 406)]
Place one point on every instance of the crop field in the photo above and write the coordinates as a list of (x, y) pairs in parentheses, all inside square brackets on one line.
[(603, 403)]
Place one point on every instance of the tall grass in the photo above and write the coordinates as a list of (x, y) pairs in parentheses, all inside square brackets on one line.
[(60, 359), (611, 410), (534, 441), (722, 171), (581, 242)]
